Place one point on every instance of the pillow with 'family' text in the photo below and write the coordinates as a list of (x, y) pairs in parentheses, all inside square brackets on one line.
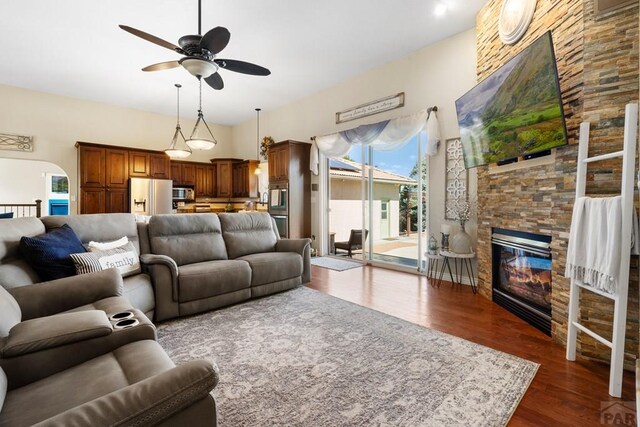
[(124, 258)]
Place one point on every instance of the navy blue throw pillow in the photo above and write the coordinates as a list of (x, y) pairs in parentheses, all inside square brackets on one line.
[(6, 215), (48, 254)]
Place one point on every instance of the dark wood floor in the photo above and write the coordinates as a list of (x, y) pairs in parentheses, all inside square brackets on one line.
[(562, 393)]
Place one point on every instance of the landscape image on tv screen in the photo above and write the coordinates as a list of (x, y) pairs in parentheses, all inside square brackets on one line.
[(514, 112)]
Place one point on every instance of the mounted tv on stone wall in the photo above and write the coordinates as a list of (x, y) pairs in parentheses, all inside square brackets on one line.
[(516, 111)]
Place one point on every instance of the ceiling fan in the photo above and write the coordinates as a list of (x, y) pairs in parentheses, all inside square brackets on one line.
[(201, 54)]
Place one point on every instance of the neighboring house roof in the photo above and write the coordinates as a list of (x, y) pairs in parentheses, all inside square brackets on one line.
[(347, 169)]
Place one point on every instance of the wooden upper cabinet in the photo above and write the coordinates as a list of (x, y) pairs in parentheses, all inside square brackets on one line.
[(245, 181), (224, 177), (176, 173), (139, 164), (92, 166), (188, 174), (204, 181), (117, 170), (279, 162), (160, 166)]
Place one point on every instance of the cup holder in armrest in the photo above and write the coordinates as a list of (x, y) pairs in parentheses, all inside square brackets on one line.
[(125, 323), (121, 316)]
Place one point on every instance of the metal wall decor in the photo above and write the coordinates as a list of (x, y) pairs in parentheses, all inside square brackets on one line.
[(16, 142), (457, 177)]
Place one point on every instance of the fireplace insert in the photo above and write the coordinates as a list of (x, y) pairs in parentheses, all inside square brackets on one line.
[(522, 275)]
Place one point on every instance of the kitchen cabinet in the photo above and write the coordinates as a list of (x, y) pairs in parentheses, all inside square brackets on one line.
[(176, 173), (224, 176), (104, 179), (105, 171), (159, 166), (139, 164), (278, 162), (91, 161), (188, 174), (147, 165), (94, 200), (183, 173), (204, 181), (117, 173), (245, 181)]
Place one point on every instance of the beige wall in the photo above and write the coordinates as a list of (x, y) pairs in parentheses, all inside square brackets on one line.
[(57, 122), (435, 75), (345, 202)]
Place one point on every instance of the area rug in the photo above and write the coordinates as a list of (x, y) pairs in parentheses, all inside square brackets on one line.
[(334, 263), (304, 358)]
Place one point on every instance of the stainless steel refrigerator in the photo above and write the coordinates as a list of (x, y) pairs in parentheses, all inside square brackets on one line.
[(150, 196)]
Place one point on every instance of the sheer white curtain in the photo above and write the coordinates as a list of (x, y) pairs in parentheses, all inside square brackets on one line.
[(388, 135)]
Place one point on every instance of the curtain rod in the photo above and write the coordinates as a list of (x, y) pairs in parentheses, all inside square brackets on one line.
[(429, 110)]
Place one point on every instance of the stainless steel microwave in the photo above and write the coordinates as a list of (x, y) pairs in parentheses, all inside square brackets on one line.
[(183, 193)]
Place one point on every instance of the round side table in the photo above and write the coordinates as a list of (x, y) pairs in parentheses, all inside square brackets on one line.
[(432, 267), (465, 262)]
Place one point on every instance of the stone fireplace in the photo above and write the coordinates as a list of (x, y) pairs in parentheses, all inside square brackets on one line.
[(598, 77)]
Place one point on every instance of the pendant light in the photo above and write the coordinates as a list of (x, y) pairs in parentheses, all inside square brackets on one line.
[(175, 150), (258, 171), (201, 137)]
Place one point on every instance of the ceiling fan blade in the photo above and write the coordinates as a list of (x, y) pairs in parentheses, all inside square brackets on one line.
[(215, 81), (215, 40), (242, 67), (162, 66), (150, 38)]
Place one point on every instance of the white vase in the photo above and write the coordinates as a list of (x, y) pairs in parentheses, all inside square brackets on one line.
[(461, 242)]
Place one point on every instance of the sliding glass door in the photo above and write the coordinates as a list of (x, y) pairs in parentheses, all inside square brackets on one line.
[(382, 194)]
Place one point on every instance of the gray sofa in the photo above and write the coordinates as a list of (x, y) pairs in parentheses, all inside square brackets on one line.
[(200, 262), (16, 272), (63, 363), (191, 263)]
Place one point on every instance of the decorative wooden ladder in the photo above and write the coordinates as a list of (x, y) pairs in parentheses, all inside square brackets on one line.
[(616, 345)]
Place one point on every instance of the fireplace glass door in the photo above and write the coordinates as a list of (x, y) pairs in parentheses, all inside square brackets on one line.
[(522, 275), (526, 276)]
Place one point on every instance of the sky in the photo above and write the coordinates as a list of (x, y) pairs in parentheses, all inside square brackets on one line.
[(400, 161)]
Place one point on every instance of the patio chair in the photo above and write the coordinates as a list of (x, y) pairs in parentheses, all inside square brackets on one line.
[(354, 243)]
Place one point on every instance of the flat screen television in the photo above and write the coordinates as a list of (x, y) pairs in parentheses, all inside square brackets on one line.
[(516, 111)]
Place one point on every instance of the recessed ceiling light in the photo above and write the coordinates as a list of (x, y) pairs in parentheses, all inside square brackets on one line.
[(440, 9)]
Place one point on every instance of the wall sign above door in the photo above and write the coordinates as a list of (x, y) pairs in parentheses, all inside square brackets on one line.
[(371, 108)]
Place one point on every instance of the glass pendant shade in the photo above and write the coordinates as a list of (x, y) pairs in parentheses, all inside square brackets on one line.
[(175, 151), (199, 67), (201, 137), (178, 148)]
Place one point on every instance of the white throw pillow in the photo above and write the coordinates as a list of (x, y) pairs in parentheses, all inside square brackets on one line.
[(103, 246), (124, 258)]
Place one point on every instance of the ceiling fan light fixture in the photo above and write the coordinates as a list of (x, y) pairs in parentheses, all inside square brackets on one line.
[(199, 67), (178, 149)]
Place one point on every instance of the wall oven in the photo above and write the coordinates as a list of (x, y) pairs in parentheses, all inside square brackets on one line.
[(183, 193), (282, 223), (279, 199)]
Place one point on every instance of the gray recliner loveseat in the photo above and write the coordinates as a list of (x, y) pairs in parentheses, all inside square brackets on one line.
[(200, 262)]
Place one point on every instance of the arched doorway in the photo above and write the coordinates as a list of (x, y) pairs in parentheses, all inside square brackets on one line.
[(22, 182)]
